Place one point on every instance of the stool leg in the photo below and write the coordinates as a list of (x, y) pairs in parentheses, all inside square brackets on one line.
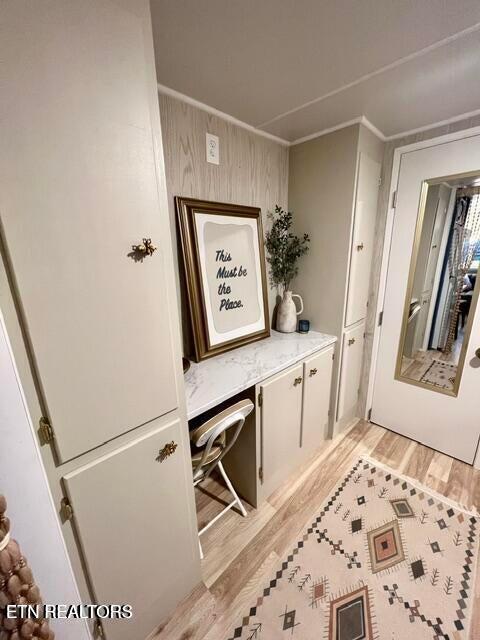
[(232, 490)]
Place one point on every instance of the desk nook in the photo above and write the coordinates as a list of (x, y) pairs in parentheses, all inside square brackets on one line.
[(287, 376)]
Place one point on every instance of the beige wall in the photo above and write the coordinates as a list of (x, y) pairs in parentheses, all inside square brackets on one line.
[(253, 170), (380, 236), (321, 191)]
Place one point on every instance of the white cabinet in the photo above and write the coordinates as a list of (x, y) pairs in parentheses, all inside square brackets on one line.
[(350, 372), (365, 213), (134, 526), (80, 188), (281, 416), (293, 417), (82, 183), (333, 190), (317, 379)]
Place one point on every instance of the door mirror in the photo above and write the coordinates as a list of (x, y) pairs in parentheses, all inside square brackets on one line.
[(442, 288)]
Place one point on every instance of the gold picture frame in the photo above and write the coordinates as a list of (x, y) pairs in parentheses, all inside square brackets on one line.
[(238, 239)]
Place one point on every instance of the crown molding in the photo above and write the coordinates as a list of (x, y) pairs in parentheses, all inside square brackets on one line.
[(342, 125), (322, 132), (434, 125), (220, 114)]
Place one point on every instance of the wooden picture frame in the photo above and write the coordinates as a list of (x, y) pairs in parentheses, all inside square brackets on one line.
[(224, 261)]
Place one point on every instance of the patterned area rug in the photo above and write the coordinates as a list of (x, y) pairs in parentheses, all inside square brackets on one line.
[(440, 374), (384, 558)]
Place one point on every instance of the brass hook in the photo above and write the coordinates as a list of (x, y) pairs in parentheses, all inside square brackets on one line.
[(168, 450), (146, 248)]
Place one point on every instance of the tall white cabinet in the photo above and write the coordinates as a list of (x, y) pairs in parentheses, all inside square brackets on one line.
[(93, 322), (333, 190)]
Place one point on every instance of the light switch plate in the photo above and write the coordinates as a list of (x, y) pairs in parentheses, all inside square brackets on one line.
[(213, 149)]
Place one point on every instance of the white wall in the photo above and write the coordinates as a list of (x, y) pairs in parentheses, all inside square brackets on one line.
[(30, 506)]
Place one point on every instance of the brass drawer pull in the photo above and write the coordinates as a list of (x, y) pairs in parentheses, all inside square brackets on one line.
[(168, 450), (313, 372), (146, 247), (360, 246), (351, 341), (297, 381)]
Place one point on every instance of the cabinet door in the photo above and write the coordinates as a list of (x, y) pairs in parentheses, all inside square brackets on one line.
[(317, 375), (132, 516), (78, 190), (362, 241), (280, 424), (351, 370)]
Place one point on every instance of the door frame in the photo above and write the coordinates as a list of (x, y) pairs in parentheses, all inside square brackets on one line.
[(387, 239)]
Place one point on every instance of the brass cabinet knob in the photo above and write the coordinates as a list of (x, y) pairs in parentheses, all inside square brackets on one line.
[(166, 451), (146, 247), (351, 341), (297, 381), (313, 372), (360, 246), (477, 352)]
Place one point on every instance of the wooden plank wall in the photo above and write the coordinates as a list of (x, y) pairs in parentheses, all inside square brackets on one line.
[(253, 170)]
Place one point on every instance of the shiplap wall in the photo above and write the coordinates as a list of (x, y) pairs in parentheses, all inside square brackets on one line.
[(387, 167), (253, 170)]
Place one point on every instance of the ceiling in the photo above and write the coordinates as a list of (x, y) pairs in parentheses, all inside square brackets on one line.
[(293, 68)]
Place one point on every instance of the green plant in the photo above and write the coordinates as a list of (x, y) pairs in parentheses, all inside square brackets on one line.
[(284, 248)]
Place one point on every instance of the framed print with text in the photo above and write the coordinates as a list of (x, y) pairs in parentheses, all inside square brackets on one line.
[(225, 274)]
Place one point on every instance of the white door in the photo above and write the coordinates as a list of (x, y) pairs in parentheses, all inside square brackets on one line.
[(421, 405), (362, 239)]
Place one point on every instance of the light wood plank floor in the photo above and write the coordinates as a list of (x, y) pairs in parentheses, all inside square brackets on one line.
[(240, 551)]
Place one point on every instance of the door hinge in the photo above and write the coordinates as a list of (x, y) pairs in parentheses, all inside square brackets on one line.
[(260, 399), (333, 356), (98, 629), (369, 414), (394, 199), (66, 510), (379, 182), (260, 473), (380, 318), (45, 431)]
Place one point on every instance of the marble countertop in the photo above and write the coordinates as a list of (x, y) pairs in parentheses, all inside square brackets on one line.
[(212, 381)]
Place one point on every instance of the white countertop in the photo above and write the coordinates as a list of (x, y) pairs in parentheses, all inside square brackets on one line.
[(212, 381)]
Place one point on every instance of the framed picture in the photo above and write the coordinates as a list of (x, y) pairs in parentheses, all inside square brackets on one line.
[(225, 274)]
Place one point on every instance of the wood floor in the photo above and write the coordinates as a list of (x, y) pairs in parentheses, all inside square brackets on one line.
[(416, 367), (240, 551)]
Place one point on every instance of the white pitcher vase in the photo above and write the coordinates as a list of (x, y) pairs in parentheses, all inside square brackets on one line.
[(287, 312)]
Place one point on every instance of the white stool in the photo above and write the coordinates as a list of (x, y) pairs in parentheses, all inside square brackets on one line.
[(211, 439)]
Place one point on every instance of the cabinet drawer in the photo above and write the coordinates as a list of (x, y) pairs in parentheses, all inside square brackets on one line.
[(351, 370), (317, 375), (281, 413), (133, 519)]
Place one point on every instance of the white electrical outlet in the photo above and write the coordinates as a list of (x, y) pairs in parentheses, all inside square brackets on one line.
[(213, 149)]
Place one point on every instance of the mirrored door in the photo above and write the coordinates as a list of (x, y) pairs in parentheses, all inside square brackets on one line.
[(427, 381)]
